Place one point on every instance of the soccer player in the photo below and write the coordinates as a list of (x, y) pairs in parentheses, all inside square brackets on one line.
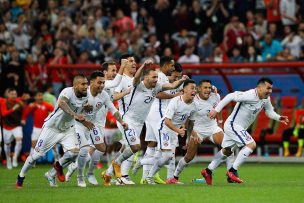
[(40, 110), (249, 104), (179, 110), (97, 98), (204, 127), (142, 96), (11, 110), (58, 128)]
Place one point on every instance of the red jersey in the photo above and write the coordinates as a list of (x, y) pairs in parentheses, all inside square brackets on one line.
[(11, 118), (40, 112), (111, 120), (300, 116)]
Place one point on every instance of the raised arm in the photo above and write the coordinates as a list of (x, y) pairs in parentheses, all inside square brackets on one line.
[(139, 72), (273, 115), (116, 81), (174, 85)]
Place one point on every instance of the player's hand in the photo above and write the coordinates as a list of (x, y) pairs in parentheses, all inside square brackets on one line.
[(182, 131), (185, 77), (88, 108), (79, 117), (124, 62), (284, 119), (212, 114), (125, 126), (88, 124), (148, 62), (16, 106), (195, 138), (214, 89)]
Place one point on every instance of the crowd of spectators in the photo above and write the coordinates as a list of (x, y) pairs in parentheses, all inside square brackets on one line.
[(34, 33)]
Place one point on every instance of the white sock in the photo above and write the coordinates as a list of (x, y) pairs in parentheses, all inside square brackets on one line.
[(146, 170), (95, 158), (109, 158), (150, 151), (171, 167), (180, 167), (7, 150), (110, 171), (217, 160), (241, 157), (55, 153), (126, 166), (82, 160), (30, 161), (165, 158), (229, 161), (18, 148), (67, 158), (124, 156)]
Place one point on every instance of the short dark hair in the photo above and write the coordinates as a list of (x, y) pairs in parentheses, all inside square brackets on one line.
[(106, 65), (125, 56), (263, 80), (187, 82), (165, 60), (78, 76), (178, 67), (96, 74), (204, 80), (147, 71), (11, 89), (34, 93)]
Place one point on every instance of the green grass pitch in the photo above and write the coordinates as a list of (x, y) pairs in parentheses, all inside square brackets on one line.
[(263, 183)]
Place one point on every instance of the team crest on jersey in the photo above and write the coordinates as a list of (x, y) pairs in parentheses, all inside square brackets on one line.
[(166, 144), (97, 138), (37, 149), (214, 104), (98, 105)]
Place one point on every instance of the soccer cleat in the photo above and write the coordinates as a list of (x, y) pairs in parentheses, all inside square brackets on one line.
[(15, 162), (299, 152), (92, 179), (81, 182), (143, 182), (106, 178), (229, 180), (171, 181), (126, 180), (60, 174), (158, 180), (150, 181), (207, 176), (51, 179), (117, 169), (19, 182), (286, 152), (9, 164), (71, 170), (136, 166), (233, 177)]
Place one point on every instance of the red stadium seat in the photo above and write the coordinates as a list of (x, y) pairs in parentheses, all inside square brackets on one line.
[(289, 102), (262, 122)]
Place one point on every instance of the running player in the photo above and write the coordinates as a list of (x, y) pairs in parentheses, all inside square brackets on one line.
[(58, 128), (249, 104), (142, 96)]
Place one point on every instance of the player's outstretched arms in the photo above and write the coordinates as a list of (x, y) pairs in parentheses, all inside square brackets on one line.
[(139, 72), (174, 85)]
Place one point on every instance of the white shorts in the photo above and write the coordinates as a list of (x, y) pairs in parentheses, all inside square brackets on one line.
[(49, 137), (9, 135), (152, 125), (132, 135), (166, 139), (89, 137), (35, 134), (235, 135), (111, 135), (207, 132)]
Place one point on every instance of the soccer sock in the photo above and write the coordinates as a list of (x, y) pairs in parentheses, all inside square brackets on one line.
[(242, 156), (7, 150), (171, 167), (217, 160), (82, 160), (18, 148), (109, 158), (165, 158), (67, 158), (229, 161), (126, 165), (300, 143), (95, 158), (180, 167), (285, 144), (123, 156), (150, 151), (30, 161), (55, 153), (110, 170), (146, 170)]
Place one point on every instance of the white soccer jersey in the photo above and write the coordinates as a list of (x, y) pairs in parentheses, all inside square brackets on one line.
[(178, 112), (126, 83), (201, 119), (58, 118), (98, 102), (247, 108), (140, 102)]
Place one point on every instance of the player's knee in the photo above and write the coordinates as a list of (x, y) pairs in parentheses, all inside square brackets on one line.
[(135, 148), (252, 145), (227, 151), (74, 150), (189, 157), (152, 144)]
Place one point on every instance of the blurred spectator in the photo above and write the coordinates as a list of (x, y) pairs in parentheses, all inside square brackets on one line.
[(189, 57), (91, 44), (48, 47), (293, 42), (181, 17), (108, 52), (84, 58), (136, 42), (36, 49), (181, 36), (134, 12), (197, 18), (150, 53), (273, 11), (123, 47), (102, 22), (205, 48), (248, 41), (5, 35), (236, 56), (123, 23), (218, 56), (142, 19), (21, 33), (260, 26), (272, 29), (270, 48), (288, 13), (285, 55), (252, 55), (84, 29)]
